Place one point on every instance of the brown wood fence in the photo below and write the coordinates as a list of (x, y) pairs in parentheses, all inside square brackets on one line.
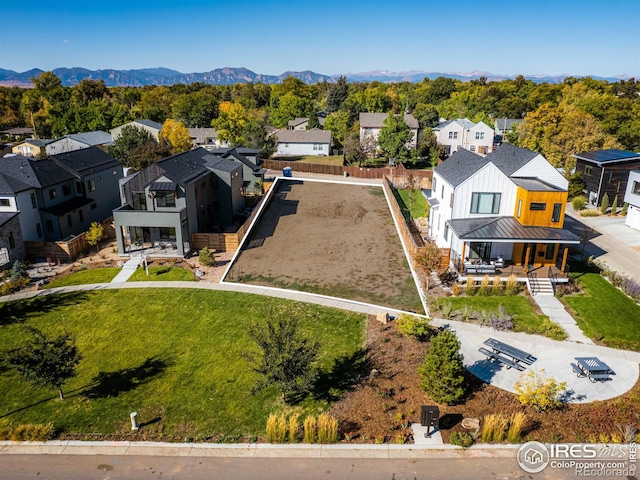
[(399, 175), (226, 241), (67, 250)]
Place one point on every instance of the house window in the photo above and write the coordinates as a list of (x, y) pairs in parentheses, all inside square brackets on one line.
[(453, 135), (286, 145), (165, 199), (519, 208), (34, 204), (139, 201), (53, 194), (537, 206), (636, 188), (49, 225), (5, 202), (479, 135), (433, 185), (480, 250), (472, 148), (557, 208), (587, 169), (446, 232), (442, 192), (92, 185), (485, 202), (81, 215), (551, 247), (66, 189), (12, 242), (451, 200), (316, 146), (168, 233), (79, 188), (69, 221), (39, 230)]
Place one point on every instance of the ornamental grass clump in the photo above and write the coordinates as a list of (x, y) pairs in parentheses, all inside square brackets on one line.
[(494, 428), (276, 428), (309, 425), (327, 429), (517, 423), (294, 427)]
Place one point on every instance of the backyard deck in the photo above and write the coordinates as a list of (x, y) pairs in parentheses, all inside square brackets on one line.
[(505, 272)]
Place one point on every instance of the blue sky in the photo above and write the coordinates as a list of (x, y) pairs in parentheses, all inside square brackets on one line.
[(577, 37)]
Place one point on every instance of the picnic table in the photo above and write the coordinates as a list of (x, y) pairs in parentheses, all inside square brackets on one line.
[(593, 368), (500, 351)]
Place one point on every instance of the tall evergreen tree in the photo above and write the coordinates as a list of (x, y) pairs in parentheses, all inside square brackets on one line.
[(442, 373)]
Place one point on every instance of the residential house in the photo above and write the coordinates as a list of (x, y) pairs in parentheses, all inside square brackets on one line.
[(17, 132), (632, 197), (78, 141), (303, 142), (31, 147), (167, 202), (252, 171), (149, 125), (11, 244), (606, 171), (462, 133), (298, 124), (371, 123), (505, 125), (62, 195), (206, 138), (507, 206)]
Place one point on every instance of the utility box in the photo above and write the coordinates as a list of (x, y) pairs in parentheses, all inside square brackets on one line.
[(430, 417)]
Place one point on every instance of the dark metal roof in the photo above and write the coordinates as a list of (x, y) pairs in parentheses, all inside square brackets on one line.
[(608, 156), (163, 186), (460, 166), (69, 206), (508, 229), (87, 160), (6, 216), (9, 185)]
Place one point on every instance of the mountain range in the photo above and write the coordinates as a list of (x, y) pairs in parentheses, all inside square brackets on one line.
[(230, 76)]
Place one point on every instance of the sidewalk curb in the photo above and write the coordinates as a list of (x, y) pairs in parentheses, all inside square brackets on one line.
[(254, 450)]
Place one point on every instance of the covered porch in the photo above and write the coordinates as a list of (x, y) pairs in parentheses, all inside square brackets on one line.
[(501, 246)]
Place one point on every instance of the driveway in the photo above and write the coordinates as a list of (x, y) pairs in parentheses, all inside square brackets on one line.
[(610, 241)]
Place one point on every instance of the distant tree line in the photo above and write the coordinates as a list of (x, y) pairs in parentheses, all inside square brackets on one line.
[(559, 119)]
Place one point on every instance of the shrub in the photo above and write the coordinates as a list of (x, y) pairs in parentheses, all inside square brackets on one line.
[(309, 425), (604, 205), (455, 289), (294, 426), (625, 207), (412, 326), (539, 392), (379, 439), (471, 285), (590, 213), (18, 271), (496, 286), (502, 321), (494, 427), (579, 203), (442, 373), (206, 257), (516, 425), (276, 428), (614, 206), (511, 286), (401, 439), (327, 429), (483, 290), (462, 439)]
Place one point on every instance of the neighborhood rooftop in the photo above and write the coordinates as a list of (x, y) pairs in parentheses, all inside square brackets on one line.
[(376, 120), (608, 156)]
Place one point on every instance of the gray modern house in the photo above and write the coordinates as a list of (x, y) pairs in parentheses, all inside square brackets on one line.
[(167, 202), (60, 196), (252, 170)]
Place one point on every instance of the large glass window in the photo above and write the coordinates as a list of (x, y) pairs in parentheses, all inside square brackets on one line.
[(165, 199), (485, 202), (480, 250), (537, 206), (636, 188), (557, 209)]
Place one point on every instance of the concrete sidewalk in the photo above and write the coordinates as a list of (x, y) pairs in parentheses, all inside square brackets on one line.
[(553, 308), (257, 450)]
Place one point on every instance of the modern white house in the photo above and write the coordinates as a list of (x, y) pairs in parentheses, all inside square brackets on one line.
[(632, 197), (149, 125), (78, 141), (462, 133), (303, 142), (508, 205), (371, 123)]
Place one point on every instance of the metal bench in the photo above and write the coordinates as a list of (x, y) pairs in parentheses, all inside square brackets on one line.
[(599, 377), (501, 359), (577, 370), (516, 354)]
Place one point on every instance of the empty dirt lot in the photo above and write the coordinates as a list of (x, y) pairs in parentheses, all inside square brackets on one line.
[(329, 238)]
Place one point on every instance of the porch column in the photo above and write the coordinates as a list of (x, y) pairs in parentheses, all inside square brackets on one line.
[(526, 260), (564, 259), (464, 248)]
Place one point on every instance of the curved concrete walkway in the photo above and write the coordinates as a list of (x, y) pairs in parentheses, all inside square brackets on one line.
[(552, 356)]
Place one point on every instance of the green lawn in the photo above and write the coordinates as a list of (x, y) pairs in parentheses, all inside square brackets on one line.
[(418, 207), (175, 356), (162, 274), (81, 277), (525, 318), (318, 160), (604, 313)]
